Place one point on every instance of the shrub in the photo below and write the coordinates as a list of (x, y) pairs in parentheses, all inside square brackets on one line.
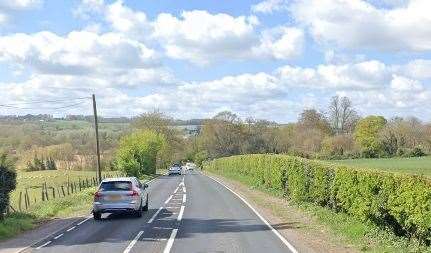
[(139, 151), (399, 202), (7, 181)]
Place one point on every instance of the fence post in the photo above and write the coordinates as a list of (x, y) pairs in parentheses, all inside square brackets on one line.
[(19, 201), (53, 192), (25, 200), (62, 190), (43, 194), (79, 182), (46, 192)]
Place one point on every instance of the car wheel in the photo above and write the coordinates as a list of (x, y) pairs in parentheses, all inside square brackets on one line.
[(138, 213), (97, 215), (146, 205)]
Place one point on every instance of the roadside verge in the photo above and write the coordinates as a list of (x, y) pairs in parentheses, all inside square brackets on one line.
[(305, 232)]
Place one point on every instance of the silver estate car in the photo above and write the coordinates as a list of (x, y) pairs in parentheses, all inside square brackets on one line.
[(119, 195)]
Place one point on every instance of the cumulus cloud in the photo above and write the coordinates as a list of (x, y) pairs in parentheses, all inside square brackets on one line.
[(358, 24), (269, 6), (202, 37)]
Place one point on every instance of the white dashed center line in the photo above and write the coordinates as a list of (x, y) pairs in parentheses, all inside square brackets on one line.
[(133, 242), (70, 229), (80, 223), (170, 241), (180, 215), (58, 236), (155, 215), (43, 245), (169, 199)]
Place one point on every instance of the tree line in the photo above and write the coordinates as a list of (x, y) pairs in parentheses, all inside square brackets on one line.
[(336, 133)]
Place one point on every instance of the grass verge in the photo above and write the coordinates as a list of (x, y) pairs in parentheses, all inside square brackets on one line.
[(342, 229)]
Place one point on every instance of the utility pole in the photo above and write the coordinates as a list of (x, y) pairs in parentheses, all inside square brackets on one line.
[(96, 127)]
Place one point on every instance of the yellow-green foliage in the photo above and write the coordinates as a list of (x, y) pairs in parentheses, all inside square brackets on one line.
[(400, 202)]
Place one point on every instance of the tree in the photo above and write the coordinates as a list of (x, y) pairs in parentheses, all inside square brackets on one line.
[(7, 181), (367, 135), (140, 152), (312, 119), (223, 135), (342, 115), (162, 124)]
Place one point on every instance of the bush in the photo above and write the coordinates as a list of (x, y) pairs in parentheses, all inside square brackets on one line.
[(399, 202), (138, 152), (417, 152), (7, 182)]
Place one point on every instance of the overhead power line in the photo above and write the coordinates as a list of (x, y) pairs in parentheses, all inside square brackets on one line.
[(45, 101), (44, 108)]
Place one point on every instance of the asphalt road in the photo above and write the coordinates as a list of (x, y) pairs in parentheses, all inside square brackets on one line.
[(187, 214)]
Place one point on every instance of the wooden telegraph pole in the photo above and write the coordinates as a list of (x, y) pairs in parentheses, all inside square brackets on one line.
[(96, 127)]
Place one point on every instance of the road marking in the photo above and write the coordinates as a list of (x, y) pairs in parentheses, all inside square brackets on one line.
[(176, 190), (70, 229), (173, 207), (285, 242), (83, 221), (162, 228), (170, 241), (133, 242), (169, 199), (184, 198), (184, 189), (181, 184), (43, 245), (58, 236), (155, 215), (180, 216)]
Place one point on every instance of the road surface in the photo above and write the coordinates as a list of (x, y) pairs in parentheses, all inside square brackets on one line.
[(187, 214)]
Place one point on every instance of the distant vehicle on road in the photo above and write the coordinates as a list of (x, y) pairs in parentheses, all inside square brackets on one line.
[(190, 166), (120, 195), (175, 169)]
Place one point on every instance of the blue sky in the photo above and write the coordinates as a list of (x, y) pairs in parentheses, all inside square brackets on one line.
[(266, 59)]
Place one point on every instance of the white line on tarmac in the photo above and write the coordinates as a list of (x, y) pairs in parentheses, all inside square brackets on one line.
[(155, 215), (70, 229), (184, 198), (176, 190), (184, 189), (169, 199), (285, 242), (43, 245), (80, 223), (58, 236), (180, 216), (170, 241), (133, 242)]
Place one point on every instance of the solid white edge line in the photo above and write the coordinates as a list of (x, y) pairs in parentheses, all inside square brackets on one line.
[(155, 215), (184, 198), (58, 236), (170, 241), (70, 229), (176, 190), (43, 245), (80, 223), (133, 242), (288, 245), (180, 216), (169, 199)]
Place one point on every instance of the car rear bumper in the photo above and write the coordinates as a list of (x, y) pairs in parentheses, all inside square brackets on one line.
[(115, 208)]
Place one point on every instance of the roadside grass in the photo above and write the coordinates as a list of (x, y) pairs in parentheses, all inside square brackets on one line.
[(343, 229), (32, 181), (412, 165), (74, 205)]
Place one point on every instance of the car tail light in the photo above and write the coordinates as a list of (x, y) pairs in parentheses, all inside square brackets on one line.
[(133, 194), (97, 195)]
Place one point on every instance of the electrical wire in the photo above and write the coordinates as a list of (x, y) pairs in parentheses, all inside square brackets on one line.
[(45, 108), (44, 101)]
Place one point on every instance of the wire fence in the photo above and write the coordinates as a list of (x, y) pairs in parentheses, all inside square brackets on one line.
[(32, 195)]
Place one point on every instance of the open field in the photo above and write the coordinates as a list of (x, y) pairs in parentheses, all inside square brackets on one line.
[(413, 165), (33, 182)]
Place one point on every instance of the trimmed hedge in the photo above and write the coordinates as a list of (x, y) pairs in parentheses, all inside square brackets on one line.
[(400, 202)]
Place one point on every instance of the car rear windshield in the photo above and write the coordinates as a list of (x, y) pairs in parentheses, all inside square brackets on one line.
[(116, 186)]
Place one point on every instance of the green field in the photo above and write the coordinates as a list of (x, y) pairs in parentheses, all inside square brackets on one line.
[(54, 179), (413, 165)]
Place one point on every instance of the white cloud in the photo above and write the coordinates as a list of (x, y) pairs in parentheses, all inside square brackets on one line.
[(202, 37), (269, 6), (20, 4), (357, 24)]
